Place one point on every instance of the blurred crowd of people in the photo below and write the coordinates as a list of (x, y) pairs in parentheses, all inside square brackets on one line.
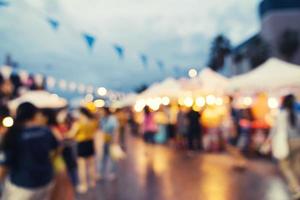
[(241, 132), (54, 153), (51, 154)]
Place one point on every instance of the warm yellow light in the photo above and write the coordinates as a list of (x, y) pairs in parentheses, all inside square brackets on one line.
[(165, 101), (154, 106), (153, 103), (157, 100), (273, 103), (219, 101), (247, 101), (89, 98), (139, 106), (102, 91), (181, 101), (8, 122), (210, 100), (99, 103), (200, 101), (188, 101), (193, 73), (196, 108)]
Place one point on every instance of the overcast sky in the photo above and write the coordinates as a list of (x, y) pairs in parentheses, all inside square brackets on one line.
[(176, 32)]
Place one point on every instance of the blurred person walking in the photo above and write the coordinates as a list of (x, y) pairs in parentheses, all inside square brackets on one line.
[(171, 113), (286, 142), (26, 156), (232, 131), (84, 130), (182, 127), (63, 187), (149, 126), (122, 119), (194, 130), (64, 124), (110, 129), (161, 119)]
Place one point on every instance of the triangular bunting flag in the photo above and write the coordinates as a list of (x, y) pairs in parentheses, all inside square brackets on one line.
[(160, 65), (144, 60), (177, 71), (119, 50), (90, 40), (53, 23), (4, 3)]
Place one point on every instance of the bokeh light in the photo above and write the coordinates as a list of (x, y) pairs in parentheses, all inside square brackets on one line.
[(8, 122)]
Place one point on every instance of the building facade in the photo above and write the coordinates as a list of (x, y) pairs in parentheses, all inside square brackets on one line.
[(277, 17)]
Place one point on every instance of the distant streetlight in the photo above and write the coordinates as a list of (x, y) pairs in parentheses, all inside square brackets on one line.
[(193, 73), (102, 91)]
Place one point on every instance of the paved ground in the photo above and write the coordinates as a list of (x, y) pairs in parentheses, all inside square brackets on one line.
[(161, 173)]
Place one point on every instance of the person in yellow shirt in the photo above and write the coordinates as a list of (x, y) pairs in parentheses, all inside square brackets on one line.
[(83, 131)]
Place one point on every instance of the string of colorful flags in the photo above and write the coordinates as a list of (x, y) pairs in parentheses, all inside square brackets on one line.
[(90, 40)]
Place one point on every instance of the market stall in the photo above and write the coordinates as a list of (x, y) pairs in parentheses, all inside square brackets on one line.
[(273, 75)]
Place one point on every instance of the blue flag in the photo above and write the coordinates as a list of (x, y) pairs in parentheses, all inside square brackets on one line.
[(4, 3), (53, 23), (119, 50), (177, 71), (160, 65), (144, 60), (89, 39)]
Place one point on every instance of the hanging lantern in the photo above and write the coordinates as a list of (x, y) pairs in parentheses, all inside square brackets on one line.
[(24, 76), (81, 88), (90, 89), (6, 71), (63, 85), (89, 98), (51, 82), (38, 78), (72, 86), (102, 91)]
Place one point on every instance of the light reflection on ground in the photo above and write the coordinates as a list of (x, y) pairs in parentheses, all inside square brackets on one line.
[(161, 173)]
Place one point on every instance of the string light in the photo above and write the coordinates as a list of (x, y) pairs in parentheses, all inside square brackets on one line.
[(99, 103), (102, 91), (193, 73), (8, 122)]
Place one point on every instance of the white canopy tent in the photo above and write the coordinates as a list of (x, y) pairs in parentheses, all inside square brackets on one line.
[(169, 87), (208, 82), (40, 99), (128, 100), (274, 74), (212, 82)]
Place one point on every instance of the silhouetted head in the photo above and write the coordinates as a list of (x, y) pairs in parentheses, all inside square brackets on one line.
[(147, 110), (26, 112), (288, 104), (86, 113)]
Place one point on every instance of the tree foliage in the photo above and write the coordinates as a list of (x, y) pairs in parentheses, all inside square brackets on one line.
[(219, 49), (288, 44)]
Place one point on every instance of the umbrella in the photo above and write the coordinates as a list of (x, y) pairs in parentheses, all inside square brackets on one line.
[(40, 99)]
